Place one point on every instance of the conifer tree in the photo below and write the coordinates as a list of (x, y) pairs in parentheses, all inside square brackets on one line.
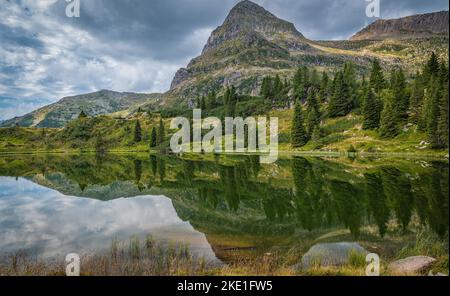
[(161, 132), (313, 115), (398, 86), (377, 82), (324, 86), (298, 132), (340, 104), (137, 132), (416, 99), (389, 125), (82, 115), (371, 111), (153, 138)]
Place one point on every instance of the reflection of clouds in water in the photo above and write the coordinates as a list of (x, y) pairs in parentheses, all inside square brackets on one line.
[(48, 223)]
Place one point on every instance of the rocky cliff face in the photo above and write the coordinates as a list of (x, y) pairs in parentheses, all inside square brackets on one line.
[(250, 43), (416, 26)]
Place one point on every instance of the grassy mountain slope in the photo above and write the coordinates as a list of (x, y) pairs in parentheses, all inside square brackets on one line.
[(94, 104), (421, 25)]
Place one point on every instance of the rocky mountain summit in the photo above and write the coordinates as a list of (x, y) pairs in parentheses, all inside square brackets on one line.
[(416, 26)]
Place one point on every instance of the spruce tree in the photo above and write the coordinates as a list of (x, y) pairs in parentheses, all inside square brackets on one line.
[(161, 132), (313, 115), (398, 86), (82, 115), (153, 138), (416, 99), (340, 102), (298, 132), (377, 82), (324, 87), (389, 125), (137, 132), (371, 111)]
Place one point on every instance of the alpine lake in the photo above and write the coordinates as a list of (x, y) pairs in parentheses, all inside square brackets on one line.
[(228, 212)]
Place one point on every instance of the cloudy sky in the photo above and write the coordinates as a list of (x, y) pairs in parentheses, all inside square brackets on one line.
[(137, 45)]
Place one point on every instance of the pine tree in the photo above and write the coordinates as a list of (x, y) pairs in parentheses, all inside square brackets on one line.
[(431, 68), (203, 103), (298, 132), (82, 115), (266, 88), (137, 132), (161, 132), (432, 113), (416, 99), (300, 83), (443, 124), (398, 86), (153, 138), (371, 111), (313, 115), (211, 100), (377, 82), (324, 86), (340, 102), (389, 125)]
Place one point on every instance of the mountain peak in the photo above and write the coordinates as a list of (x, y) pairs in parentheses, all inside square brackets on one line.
[(247, 17)]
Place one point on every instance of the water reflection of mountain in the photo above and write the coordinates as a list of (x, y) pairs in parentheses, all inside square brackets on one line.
[(238, 196)]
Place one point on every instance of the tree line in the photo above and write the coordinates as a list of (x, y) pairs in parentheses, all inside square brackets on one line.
[(387, 103)]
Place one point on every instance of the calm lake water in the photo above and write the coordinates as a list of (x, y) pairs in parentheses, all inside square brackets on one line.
[(54, 205)]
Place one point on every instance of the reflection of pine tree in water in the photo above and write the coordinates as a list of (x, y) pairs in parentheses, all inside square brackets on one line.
[(188, 172), (377, 201), (303, 204), (349, 205), (255, 164), (154, 164), (161, 169), (231, 190), (435, 199), (397, 188), (137, 170)]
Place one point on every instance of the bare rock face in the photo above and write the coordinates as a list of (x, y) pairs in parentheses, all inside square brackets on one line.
[(412, 265), (416, 26), (181, 75), (250, 37), (247, 16)]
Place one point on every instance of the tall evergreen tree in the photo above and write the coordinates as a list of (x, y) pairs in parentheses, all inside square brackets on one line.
[(313, 115), (324, 87), (398, 86), (416, 99), (153, 138), (137, 132), (389, 125), (340, 102), (298, 132), (161, 132), (377, 82), (371, 111)]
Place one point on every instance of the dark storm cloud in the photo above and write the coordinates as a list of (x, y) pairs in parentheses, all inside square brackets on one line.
[(137, 45)]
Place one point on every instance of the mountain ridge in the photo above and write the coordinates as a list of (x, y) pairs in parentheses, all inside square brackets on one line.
[(419, 25), (97, 103)]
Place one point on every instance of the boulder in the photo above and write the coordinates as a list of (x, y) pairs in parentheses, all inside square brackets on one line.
[(412, 265), (332, 254)]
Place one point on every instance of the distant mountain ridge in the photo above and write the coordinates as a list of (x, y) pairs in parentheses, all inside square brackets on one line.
[(98, 103), (421, 25)]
